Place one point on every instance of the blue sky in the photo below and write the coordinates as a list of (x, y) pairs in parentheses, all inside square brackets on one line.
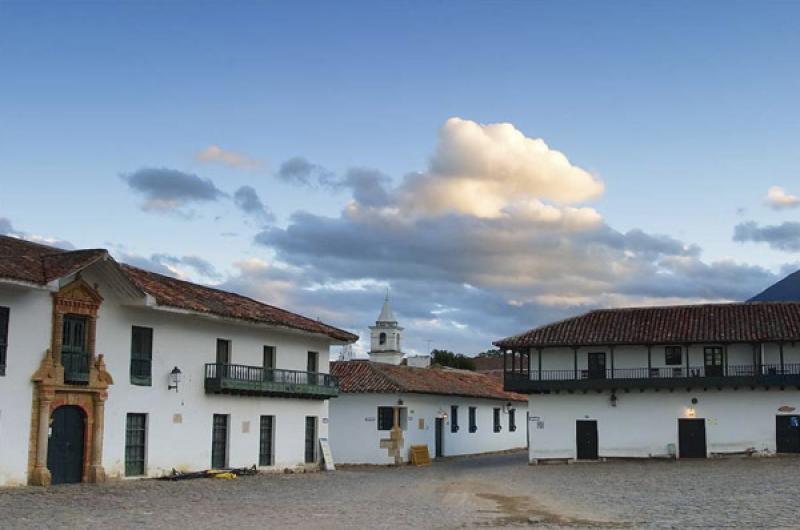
[(687, 112)]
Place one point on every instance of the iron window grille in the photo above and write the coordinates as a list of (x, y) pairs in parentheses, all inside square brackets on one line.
[(454, 418), (266, 455), (473, 424), (135, 444), (497, 426), (385, 418), (512, 420)]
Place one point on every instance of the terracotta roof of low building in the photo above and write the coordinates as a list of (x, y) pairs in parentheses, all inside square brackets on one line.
[(368, 377), (721, 323), (31, 262)]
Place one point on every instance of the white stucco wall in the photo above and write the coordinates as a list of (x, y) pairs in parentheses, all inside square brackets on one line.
[(179, 424), (355, 438), (642, 424), (28, 338)]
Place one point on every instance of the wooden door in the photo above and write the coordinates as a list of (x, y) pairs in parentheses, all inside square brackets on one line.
[(311, 439), (439, 433), (219, 442), (787, 434), (692, 438), (597, 365), (586, 437), (65, 446)]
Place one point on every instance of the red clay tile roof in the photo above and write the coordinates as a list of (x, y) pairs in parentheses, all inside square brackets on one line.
[(185, 295), (740, 322), (363, 377), (32, 262)]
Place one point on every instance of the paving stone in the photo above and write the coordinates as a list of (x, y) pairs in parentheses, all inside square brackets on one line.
[(498, 491)]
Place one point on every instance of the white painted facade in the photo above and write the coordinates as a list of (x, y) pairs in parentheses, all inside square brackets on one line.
[(179, 423), (355, 438), (644, 423)]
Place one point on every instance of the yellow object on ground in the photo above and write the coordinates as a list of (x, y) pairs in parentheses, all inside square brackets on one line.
[(420, 455)]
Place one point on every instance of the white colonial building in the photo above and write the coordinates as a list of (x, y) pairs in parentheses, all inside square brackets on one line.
[(107, 370), (388, 403), (677, 382)]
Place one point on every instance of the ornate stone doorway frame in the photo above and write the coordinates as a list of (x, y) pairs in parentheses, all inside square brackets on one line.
[(50, 391)]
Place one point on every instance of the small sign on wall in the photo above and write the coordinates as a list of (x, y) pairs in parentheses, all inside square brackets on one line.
[(369, 418), (324, 421)]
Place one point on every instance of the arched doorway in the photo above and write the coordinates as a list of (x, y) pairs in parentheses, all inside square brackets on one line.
[(66, 444)]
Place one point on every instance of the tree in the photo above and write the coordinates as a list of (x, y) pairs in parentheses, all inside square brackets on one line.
[(491, 353), (453, 360)]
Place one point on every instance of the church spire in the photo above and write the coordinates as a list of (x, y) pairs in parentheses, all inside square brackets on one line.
[(386, 316)]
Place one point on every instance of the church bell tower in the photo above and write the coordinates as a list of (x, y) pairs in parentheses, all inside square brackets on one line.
[(385, 337)]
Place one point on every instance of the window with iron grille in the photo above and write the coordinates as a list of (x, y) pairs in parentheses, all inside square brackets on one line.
[(473, 423), (311, 439), (219, 441), (266, 455), (453, 418), (4, 312), (497, 426), (512, 420), (673, 355), (141, 356), (135, 444), (385, 418)]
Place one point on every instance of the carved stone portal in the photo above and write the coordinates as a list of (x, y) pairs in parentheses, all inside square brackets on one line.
[(51, 392)]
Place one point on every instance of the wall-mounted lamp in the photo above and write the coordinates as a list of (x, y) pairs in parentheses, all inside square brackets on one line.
[(508, 407), (399, 402), (613, 400), (175, 377), (690, 412)]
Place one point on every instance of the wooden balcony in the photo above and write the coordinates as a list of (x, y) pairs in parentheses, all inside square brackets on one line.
[(534, 381), (257, 381)]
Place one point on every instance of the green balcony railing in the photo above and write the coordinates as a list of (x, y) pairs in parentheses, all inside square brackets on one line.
[(258, 381)]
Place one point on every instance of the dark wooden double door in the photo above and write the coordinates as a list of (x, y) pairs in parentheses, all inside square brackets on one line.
[(65, 446), (692, 438), (586, 438), (787, 434)]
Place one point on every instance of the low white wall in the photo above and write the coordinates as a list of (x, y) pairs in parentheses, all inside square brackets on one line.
[(643, 424), (355, 438)]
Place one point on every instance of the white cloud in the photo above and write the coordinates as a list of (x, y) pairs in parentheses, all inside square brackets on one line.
[(778, 199), (214, 153), (481, 170)]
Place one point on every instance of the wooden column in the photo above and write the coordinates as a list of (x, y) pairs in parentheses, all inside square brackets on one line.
[(575, 360), (649, 360), (539, 355), (611, 349), (780, 349), (505, 364), (725, 359), (687, 360)]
